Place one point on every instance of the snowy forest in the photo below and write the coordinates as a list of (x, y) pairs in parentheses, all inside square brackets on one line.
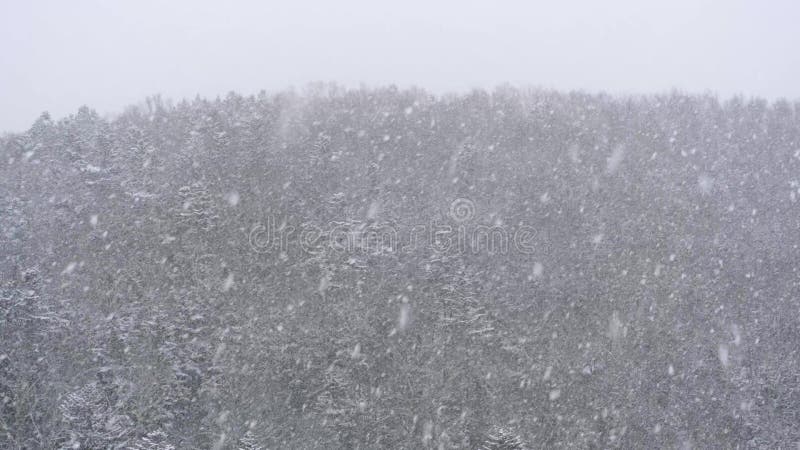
[(289, 270)]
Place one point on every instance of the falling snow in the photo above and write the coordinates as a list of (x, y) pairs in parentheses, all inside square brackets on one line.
[(389, 268)]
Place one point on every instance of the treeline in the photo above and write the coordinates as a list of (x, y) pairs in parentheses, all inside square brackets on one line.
[(654, 305)]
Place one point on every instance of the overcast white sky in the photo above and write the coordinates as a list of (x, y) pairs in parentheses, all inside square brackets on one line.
[(59, 55)]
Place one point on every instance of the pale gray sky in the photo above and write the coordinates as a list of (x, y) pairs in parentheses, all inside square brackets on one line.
[(59, 55)]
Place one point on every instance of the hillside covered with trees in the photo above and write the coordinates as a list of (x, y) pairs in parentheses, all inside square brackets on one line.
[(286, 271)]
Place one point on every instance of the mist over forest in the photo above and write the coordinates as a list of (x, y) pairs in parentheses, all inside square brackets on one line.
[(387, 268)]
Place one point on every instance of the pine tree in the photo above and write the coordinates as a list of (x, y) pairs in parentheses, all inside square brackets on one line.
[(248, 442), (500, 438), (197, 208), (95, 415), (27, 324), (154, 440)]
